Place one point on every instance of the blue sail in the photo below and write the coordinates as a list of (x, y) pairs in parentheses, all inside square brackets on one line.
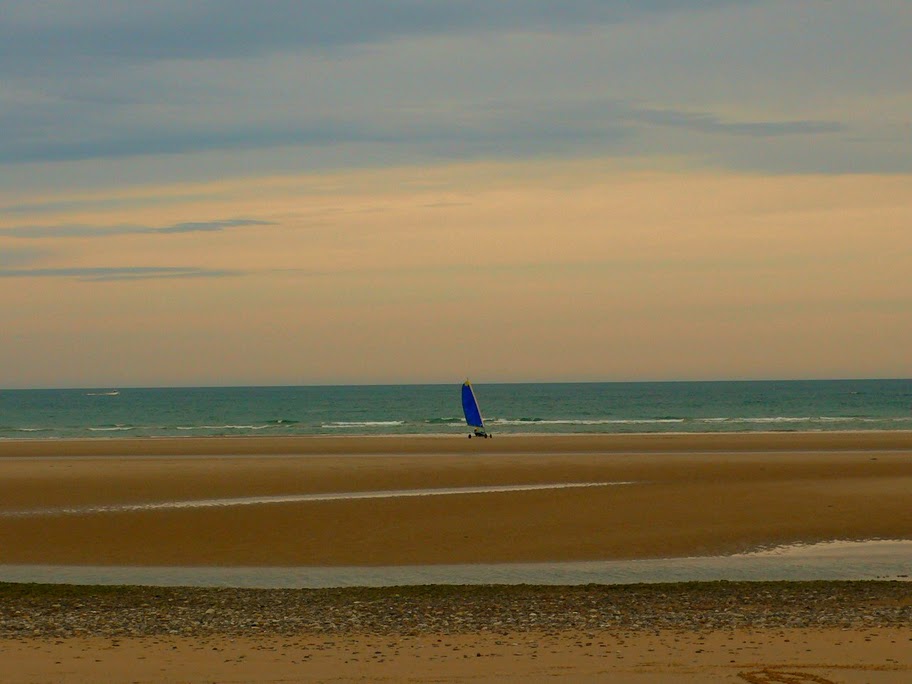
[(470, 406)]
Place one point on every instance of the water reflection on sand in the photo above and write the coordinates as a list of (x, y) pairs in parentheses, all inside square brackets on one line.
[(296, 498), (839, 560)]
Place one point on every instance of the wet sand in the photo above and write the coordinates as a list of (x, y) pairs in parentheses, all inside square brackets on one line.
[(687, 495)]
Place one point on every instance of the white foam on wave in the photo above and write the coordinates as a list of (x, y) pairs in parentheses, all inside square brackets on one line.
[(803, 419), (342, 424), (298, 498), (714, 420), (223, 427), (584, 421)]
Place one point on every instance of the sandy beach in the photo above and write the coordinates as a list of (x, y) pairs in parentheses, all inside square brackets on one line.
[(759, 633), (156, 501), (783, 657), (214, 502), (786, 656)]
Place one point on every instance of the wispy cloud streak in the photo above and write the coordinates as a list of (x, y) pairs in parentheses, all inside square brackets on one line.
[(118, 273), (82, 231), (708, 123), (171, 29)]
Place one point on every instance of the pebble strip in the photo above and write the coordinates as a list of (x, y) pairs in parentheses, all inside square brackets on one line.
[(60, 611)]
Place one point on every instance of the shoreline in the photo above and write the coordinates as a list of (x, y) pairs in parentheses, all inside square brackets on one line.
[(888, 440)]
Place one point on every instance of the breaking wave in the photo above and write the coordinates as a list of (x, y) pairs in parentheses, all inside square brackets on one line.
[(223, 427), (583, 421), (346, 424)]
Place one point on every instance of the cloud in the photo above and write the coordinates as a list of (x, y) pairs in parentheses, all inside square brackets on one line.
[(128, 138), (201, 89), (208, 226), (174, 29), (67, 231), (118, 273), (523, 127), (703, 122)]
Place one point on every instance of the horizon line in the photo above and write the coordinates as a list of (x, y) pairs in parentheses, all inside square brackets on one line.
[(457, 382)]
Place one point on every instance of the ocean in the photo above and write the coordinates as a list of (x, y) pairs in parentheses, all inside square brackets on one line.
[(523, 408)]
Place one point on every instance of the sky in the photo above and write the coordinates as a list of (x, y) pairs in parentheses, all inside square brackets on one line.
[(299, 192)]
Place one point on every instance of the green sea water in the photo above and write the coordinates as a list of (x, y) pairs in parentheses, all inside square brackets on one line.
[(522, 408)]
